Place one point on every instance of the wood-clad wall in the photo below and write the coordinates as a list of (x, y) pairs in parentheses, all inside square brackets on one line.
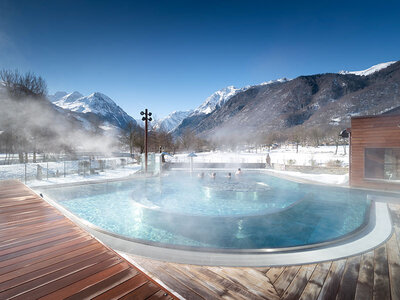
[(372, 132)]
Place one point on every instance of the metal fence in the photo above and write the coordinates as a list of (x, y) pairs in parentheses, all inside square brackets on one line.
[(45, 170)]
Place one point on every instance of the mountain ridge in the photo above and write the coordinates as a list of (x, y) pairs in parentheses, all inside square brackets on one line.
[(106, 110), (328, 99)]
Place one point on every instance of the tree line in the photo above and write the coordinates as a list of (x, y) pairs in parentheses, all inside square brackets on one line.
[(29, 123), (160, 140)]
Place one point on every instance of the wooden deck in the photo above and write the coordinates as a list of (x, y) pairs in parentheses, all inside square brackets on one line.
[(372, 275), (44, 255)]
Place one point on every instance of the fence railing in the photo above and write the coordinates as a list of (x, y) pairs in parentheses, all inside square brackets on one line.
[(44, 170)]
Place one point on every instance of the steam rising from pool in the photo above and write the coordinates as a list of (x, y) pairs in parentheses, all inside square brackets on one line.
[(251, 211)]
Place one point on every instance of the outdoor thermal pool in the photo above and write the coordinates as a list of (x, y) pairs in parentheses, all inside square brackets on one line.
[(251, 212)]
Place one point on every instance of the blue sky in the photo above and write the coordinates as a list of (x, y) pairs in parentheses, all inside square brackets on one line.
[(171, 55)]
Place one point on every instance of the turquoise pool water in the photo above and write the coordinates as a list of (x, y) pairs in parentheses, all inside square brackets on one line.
[(252, 211)]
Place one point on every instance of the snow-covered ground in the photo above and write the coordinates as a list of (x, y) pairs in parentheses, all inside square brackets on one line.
[(320, 178), (307, 156)]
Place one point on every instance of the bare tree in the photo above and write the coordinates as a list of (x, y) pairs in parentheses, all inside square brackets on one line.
[(316, 135), (22, 85), (297, 136), (133, 137), (187, 139), (271, 138)]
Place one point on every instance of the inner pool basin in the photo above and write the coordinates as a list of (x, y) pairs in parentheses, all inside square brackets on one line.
[(251, 212)]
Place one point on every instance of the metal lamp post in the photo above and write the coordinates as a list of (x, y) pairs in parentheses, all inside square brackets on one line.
[(191, 155), (146, 118)]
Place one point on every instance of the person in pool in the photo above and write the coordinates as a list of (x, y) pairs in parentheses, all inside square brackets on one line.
[(238, 172), (229, 175), (213, 175), (201, 175)]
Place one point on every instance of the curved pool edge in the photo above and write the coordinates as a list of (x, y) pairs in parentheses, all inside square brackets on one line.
[(378, 231)]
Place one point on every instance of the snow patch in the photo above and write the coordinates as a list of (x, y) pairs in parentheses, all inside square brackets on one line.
[(370, 70), (335, 121), (217, 99), (320, 178), (172, 121), (96, 103), (280, 80)]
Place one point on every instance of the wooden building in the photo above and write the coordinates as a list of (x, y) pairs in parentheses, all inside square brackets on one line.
[(375, 152)]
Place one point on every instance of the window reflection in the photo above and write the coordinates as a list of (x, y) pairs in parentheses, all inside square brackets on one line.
[(382, 163)]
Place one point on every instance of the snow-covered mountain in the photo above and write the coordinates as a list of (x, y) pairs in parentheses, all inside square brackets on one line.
[(322, 100), (280, 80), (170, 122), (220, 97), (217, 99), (68, 101), (370, 70), (96, 104), (57, 96)]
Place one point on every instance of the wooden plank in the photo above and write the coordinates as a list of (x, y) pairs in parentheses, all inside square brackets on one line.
[(158, 270), (42, 246), (395, 214), (365, 283), (44, 235), (296, 287), (14, 230), (43, 254), (347, 288), (123, 288), (30, 221), (26, 233), (28, 239), (29, 200), (285, 279), (23, 216), (80, 253), (316, 281), (263, 270), (332, 281), (53, 269), (20, 246), (381, 274), (54, 281), (94, 284), (46, 252), (160, 295), (29, 286), (204, 287), (143, 292), (20, 226), (274, 273), (21, 207), (394, 267), (260, 289), (46, 256)]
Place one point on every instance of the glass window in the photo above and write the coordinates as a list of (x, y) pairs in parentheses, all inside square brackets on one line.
[(382, 163)]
